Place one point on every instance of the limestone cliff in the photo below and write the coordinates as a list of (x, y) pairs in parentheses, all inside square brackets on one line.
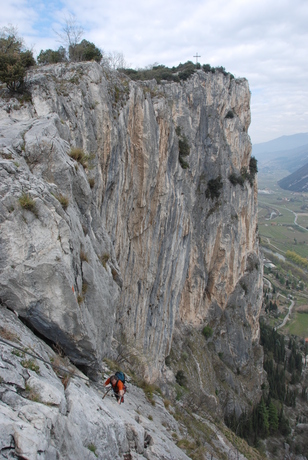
[(49, 410), (121, 241)]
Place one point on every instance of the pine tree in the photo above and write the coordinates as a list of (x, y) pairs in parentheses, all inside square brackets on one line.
[(263, 419), (273, 417)]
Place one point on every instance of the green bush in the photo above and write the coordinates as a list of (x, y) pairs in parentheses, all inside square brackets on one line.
[(15, 60), (253, 169), (178, 73), (85, 51), (245, 174), (183, 163), (214, 187), (52, 57), (250, 174), (181, 378), (161, 72), (207, 331), (221, 69), (236, 179), (186, 74), (184, 148)]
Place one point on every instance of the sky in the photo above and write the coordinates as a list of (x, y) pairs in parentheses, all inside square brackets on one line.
[(265, 41)]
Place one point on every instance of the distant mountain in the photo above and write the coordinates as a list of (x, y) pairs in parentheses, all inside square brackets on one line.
[(297, 181), (285, 152), (290, 160), (280, 144)]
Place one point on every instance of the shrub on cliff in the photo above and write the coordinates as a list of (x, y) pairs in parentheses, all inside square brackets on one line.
[(214, 187), (15, 60), (207, 331), (84, 51), (245, 174), (236, 179), (52, 57), (207, 68), (253, 169), (184, 148), (181, 378), (178, 73), (161, 72)]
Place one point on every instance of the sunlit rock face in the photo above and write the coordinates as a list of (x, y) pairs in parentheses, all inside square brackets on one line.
[(142, 242)]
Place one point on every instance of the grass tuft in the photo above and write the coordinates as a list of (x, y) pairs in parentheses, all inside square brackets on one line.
[(78, 155), (30, 364), (63, 200), (26, 202)]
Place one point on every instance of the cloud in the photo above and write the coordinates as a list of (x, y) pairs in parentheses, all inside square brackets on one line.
[(264, 41)]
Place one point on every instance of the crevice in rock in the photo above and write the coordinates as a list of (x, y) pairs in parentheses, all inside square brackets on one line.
[(148, 440), (54, 345)]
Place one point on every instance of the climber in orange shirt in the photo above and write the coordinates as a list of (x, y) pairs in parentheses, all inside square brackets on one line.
[(118, 388)]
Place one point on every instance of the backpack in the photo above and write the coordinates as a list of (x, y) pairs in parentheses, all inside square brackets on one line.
[(120, 376)]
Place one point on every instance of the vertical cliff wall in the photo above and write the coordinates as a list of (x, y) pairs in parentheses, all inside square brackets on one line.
[(143, 241)]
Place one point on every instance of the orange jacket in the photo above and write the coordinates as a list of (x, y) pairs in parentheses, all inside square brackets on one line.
[(117, 387)]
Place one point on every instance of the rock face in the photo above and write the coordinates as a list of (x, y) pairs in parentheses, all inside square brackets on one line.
[(41, 418), (138, 242), (49, 410)]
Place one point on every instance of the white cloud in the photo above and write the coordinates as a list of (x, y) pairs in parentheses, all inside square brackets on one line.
[(264, 41)]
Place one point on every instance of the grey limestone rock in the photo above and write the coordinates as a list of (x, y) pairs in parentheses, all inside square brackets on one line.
[(41, 419), (141, 242)]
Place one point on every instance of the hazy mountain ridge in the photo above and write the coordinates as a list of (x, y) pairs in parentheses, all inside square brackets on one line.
[(280, 144), (274, 155), (296, 182)]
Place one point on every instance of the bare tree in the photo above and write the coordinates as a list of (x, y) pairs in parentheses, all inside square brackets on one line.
[(71, 32), (114, 60)]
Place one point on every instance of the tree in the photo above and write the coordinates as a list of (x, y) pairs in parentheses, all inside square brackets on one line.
[(273, 417), (263, 420), (52, 57), (15, 59), (78, 51), (71, 32), (84, 51), (115, 60)]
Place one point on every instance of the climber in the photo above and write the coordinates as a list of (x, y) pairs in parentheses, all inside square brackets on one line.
[(118, 386)]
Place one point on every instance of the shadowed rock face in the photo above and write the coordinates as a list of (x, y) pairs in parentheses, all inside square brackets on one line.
[(148, 242)]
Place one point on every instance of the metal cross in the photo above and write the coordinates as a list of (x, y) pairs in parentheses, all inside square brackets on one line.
[(197, 56)]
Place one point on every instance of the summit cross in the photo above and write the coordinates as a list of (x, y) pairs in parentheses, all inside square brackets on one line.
[(197, 56)]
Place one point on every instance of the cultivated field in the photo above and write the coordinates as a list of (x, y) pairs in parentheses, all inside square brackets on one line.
[(282, 222)]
